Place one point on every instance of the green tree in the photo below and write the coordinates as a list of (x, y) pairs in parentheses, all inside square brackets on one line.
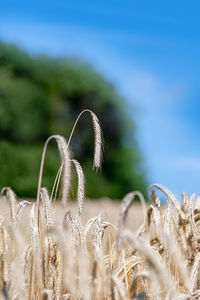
[(40, 96)]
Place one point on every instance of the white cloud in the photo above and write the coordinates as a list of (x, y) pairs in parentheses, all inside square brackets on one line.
[(149, 87)]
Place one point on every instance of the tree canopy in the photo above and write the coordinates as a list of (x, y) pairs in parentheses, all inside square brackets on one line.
[(40, 96)]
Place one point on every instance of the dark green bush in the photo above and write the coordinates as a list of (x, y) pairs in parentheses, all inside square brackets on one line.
[(40, 96)]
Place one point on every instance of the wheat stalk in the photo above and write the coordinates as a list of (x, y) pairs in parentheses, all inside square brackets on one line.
[(97, 135)]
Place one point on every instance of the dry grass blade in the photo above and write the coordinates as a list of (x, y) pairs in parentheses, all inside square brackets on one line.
[(56, 184)]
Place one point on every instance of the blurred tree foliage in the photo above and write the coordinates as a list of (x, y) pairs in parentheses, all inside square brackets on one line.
[(40, 96)]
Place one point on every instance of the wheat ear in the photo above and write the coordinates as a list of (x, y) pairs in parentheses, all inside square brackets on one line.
[(124, 207), (22, 204), (81, 185), (97, 135), (168, 194), (47, 207), (72, 220)]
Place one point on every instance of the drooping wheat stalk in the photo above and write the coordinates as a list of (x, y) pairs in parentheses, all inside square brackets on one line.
[(97, 135), (65, 157)]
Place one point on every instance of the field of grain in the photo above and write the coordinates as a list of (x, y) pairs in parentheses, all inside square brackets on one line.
[(151, 253), (51, 249)]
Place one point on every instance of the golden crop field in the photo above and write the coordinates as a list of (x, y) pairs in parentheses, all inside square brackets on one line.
[(98, 250)]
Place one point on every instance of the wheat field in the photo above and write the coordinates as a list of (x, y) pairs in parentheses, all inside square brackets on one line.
[(52, 249)]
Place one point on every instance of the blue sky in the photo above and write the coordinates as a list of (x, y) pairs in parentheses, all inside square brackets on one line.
[(150, 50)]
